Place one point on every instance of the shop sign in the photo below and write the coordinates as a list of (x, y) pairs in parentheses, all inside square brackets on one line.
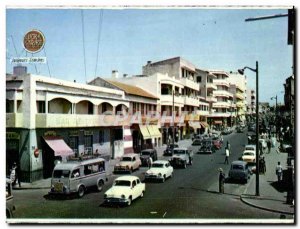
[(50, 133), (12, 135), (34, 41)]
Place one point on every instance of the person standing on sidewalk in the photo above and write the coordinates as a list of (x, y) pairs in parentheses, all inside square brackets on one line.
[(228, 146), (226, 156), (279, 172), (269, 144), (221, 180)]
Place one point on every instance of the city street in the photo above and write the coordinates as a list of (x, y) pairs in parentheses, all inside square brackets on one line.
[(190, 194)]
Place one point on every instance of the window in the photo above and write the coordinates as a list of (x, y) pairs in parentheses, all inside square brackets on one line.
[(133, 183), (40, 106), (75, 173), (199, 78), (137, 181), (101, 137), (88, 144)]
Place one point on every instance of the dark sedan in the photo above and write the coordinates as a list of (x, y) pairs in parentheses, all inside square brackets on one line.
[(169, 150)]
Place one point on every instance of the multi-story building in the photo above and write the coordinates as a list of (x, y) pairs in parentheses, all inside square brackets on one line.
[(163, 79), (289, 100), (237, 86), (221, 114), (251, 102), (49, 119), (143, 129)]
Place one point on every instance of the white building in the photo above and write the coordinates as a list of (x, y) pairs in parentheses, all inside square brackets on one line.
[(49, 119)]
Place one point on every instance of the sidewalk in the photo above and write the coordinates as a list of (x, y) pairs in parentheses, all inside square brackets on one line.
[(272, 195)]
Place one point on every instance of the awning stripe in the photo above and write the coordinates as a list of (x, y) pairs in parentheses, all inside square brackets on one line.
[(145, 132), (59, 146), (154, 132)]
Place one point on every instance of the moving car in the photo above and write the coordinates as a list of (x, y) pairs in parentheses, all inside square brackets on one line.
[(146, 153), (168, 150), (217, 142), (78, 176), (250, 147), (251, 138), (124, 190), (160, 170), (207, 146), (239, 171), (182, 157), (249, 156), (128, 163), (10, 207)]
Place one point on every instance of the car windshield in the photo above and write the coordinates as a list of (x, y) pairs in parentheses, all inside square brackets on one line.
[(145, 153), (237, 167), (61, 173), (248, 154), (157, 165), (126, 159), (249, 148), (179, 151), (122, 183)]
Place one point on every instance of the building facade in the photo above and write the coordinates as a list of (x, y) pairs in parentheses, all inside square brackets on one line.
[(49, 119)]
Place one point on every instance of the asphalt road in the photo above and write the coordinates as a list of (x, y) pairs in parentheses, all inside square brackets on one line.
[(189, 194)]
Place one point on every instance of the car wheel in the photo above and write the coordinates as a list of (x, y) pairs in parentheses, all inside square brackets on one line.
[(100, 185), (129, 201), (81, 191)]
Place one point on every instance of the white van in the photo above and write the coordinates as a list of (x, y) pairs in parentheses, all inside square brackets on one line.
[(77, 176)]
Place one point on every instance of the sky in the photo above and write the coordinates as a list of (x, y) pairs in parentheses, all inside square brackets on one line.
[(209, 38)]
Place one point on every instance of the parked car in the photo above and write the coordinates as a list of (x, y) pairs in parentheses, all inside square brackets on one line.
[(168, 151), (207, 146), (263, 143), (128, 163), (160, 170), (124, 190), (197, 142), (226, 131), (249, 156), (146, 153), (78, 176), (217, 142), (239, 171), (10, 207), (182, 157)]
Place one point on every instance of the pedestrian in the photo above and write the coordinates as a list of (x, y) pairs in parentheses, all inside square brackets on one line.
[(18, 174), (150, 162), (269, 144), (228, 146), (279, 171), (226, 155), (221, 180), (13, 175)]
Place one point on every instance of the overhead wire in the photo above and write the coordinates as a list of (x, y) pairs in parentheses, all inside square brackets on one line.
[(83, 41), (99, 37)]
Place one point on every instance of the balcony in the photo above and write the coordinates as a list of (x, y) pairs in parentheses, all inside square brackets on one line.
[(211, 99), (240, 104), (211, 86), (222, 93), (190, 83), (221, 105), (191, 101), (76, 120), (14, 120), (239, 95), (168, 100), (219, 114), (202, 113), (221, 82)]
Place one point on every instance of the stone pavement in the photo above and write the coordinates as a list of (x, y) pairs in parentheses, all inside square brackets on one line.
[(272, 194)]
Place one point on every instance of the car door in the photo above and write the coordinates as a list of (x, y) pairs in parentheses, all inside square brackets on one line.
[(167, 168), (135, 189)]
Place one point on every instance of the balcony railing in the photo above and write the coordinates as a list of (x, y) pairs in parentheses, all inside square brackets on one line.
[(222, 93), (221, 82), (211, 99), (240, 95), (190, 83), (221, 105), (211, 85), (168, 100), (76, 120), (14, 120), (191, 101)]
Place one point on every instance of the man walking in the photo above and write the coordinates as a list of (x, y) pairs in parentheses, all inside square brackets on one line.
[(221, 180), (279, 172), (269, 144), (226, 156)]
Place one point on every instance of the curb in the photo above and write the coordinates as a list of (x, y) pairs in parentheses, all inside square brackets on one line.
[(263, 208), (27, 188)]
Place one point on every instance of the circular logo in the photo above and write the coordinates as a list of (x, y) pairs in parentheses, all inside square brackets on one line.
[(34, 41)]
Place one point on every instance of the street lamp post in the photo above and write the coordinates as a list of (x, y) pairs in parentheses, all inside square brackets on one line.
[(276, 119), (241, 71)]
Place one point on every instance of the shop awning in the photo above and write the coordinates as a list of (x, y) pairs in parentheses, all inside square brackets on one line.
[(204, 124), (145, 132), (194, 124), (218, 122), (58, 145), (154, 131)]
